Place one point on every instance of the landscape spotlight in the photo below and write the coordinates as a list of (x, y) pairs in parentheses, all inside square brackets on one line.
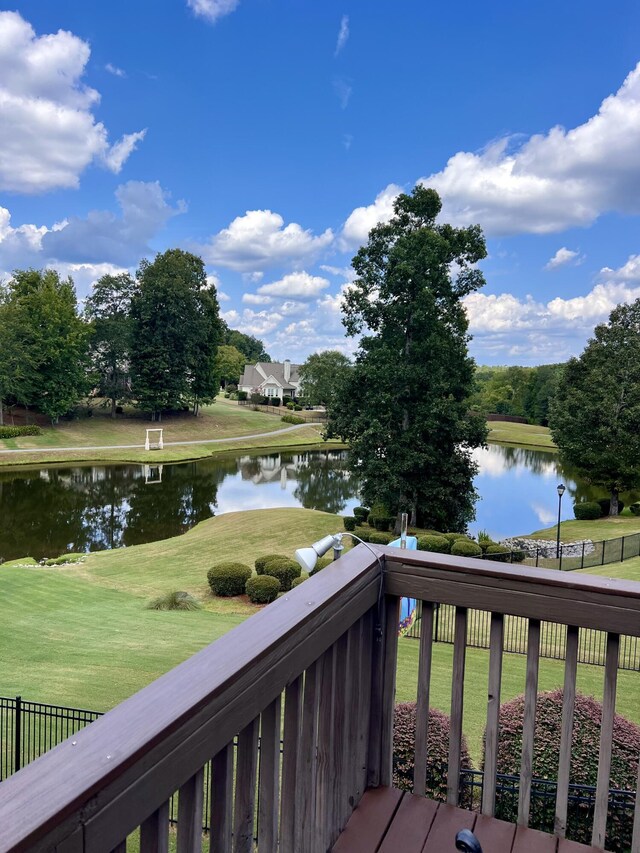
[(308, 557)]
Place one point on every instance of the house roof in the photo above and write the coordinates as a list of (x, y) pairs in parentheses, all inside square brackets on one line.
[(256, 375)]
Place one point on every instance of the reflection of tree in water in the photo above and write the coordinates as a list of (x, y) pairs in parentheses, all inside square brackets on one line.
[(323, 482)]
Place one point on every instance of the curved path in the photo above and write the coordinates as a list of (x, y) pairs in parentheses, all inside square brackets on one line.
[(166, 443)]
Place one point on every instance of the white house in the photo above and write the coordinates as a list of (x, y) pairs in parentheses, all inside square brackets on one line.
[(271, 379)]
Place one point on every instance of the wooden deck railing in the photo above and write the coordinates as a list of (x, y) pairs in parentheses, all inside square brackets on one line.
[(317, 668)]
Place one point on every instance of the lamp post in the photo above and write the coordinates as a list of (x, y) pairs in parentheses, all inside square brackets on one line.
[(561, 490)]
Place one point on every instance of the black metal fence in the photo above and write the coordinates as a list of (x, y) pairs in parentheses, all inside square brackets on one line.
[(585, 555), (29, 729), (592, 645)]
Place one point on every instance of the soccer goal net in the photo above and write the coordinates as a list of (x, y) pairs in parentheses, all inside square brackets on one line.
[(154, 440)]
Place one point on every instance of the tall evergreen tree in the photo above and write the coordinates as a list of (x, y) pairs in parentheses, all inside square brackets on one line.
[(108, 309), (404, 409), (44, 342), (176, 331), (595, 413)]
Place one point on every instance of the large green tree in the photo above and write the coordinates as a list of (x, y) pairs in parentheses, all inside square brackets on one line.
[(108, 310), (322, 375), (230, 364), (251, 347), (404, 409), (595, 414), (44, 342), (176, 331)]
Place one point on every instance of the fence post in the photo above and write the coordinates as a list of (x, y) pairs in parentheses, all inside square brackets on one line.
[(604, 542), (537, 555), (17, 734), (582, 561), (622, 550), (560, 563), (437, 620)]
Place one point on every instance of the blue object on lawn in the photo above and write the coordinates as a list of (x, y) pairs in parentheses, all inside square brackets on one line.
[(407, 605)]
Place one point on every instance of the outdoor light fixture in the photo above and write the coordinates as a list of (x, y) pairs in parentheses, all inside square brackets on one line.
[(308, 557), (561, 489)]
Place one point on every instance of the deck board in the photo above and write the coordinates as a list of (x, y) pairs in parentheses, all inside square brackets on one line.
[(391, 821)]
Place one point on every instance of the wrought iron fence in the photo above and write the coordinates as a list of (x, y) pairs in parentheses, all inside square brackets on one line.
[(592, 644), (583, 555), (28, 729)]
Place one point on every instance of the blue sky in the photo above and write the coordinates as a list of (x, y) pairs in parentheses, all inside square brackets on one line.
[(270, 135)]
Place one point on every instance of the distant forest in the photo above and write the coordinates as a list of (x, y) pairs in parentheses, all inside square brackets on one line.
[(523, 392)]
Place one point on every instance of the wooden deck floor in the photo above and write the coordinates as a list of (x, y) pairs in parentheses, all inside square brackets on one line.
[(390, 821)]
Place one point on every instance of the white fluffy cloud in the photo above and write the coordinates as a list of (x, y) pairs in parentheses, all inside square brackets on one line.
[(531, 330), (298, 284), (555, 180), (251, 322), (113, 69), (212, 10), (260, 239), (48, 134), (564, 257), (356, 229)]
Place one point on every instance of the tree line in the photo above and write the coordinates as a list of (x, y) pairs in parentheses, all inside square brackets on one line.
[(154, 340), (523, 392)]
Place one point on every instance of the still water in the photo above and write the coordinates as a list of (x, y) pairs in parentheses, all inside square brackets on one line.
[(49, 511)]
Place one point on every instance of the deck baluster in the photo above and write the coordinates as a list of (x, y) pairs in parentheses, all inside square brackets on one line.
[(244, 806), (154, 832), (606, 740), (269, 783), (422, 704), (221, 800), (496, 642), (457, 706), (566, 736), (190, 802), (529, 721)]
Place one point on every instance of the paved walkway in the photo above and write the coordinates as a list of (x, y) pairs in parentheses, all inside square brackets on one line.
[(166, 443)]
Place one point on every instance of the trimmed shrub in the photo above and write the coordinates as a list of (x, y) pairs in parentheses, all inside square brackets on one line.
[(228, 579), (284, 569), (322, 563), (242, 395), (382, 522), (292, 419), (174, 601), (361, 514), (437, 544), (466, 548), (262, 589), (404, 738), (635, 508), (275, 401), (261, 562), (485, 544), (584, 762), (587, 510), (364, 533), (453, 537), (297, 581), (17, 431), (498, 552), (605, 505), (297, 407), (380, 538), (349, 522), (290, 405), (518, 556)]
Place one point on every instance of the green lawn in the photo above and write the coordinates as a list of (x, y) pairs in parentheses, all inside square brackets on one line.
[(81, 635), (602, 528), (530, 435)]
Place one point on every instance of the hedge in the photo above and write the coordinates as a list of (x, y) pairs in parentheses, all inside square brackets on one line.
[(453, 537), (262, 589), (587, 510), (404, 737), (361, 513), (17, 431), (584, 762), (380, 538), (466, 548), (228, 579), (498, 552), (261, 562), (284, 569), (297, 581), (438, 544), (635, 508), (292, 419), (349, 522)]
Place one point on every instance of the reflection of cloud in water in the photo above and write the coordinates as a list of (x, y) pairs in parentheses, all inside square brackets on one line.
[(545, 515), (499, 460)]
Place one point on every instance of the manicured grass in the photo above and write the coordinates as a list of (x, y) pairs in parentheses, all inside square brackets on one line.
[(602, 528), (529, 435)]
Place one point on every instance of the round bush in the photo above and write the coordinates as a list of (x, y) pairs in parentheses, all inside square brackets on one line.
[(284, 569), (380, 538), (297, 581), (361, 513), (605, 505), (261, 562), (404, 738), (635, 508), (228, 578), (587, 510), (498, 552), (584, 761), (349, 522), (518, 556), (262, 589), (486, 543), (453, 537), (466, 548), (365, 533), (381, 523), (438, 544)]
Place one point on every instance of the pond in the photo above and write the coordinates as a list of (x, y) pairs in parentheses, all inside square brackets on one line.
[(52, 510)]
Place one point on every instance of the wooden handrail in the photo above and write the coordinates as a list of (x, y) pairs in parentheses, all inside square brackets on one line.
[(101, 784)]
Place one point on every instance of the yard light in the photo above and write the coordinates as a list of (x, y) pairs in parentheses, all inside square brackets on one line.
[(308, 557), (561, 490)]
